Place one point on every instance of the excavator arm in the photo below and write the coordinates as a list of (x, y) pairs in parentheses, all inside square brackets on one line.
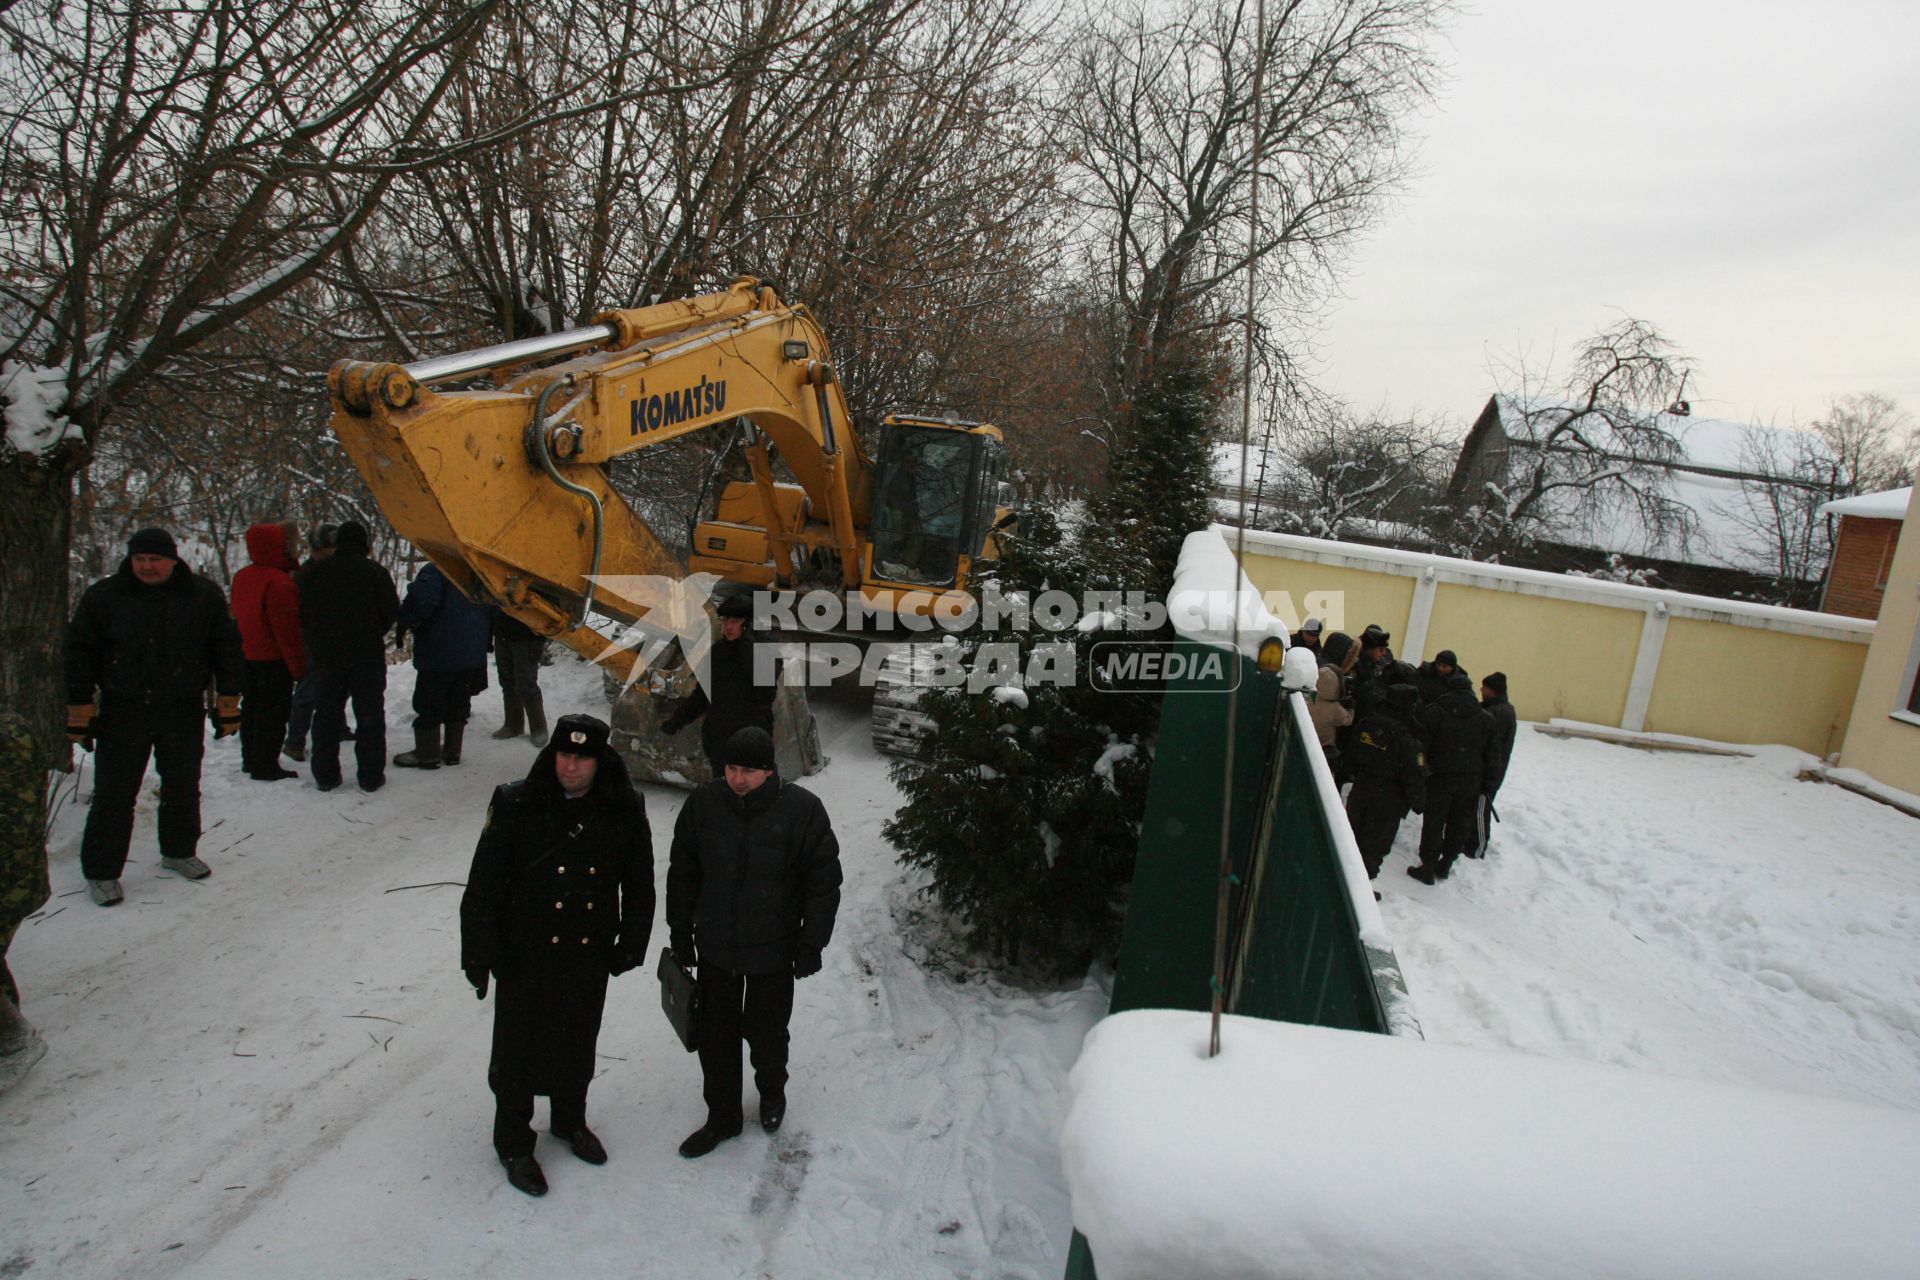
[(507, 490)]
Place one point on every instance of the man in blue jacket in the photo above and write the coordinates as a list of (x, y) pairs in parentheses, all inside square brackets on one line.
[(449, 660)]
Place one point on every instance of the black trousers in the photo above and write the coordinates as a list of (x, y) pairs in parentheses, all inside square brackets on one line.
[(1450, 827), (266, 702), (443, 697), (1374, 811), (735, 1006), (366, 683), (127, 737)]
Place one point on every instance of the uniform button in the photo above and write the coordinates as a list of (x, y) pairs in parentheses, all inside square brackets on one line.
[(593, 871), (556, 937), (558, 905), (583, 942), (589, 906), (563, 871)]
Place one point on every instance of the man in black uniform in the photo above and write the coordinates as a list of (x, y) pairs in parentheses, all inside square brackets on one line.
[(151, 638), (753, 882), (731, 700), (1506, 725), (1389, 772), (1459, 737), (560, 897)]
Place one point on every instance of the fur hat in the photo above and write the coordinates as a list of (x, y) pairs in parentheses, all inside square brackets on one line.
[(152, 542), (750, 748), (1374, 637), (577, 734)]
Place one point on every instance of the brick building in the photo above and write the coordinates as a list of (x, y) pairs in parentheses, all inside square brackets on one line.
[(1863, 550)]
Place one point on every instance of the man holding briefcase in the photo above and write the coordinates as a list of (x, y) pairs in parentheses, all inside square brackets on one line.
[(753, 882), (560, 897)]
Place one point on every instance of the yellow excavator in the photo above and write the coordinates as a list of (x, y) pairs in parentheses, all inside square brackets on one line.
[(507, 490)]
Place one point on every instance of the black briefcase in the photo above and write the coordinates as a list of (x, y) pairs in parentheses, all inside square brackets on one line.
[(679, 997)]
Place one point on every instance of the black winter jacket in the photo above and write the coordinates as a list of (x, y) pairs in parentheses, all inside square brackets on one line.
[(1506, 725), (1386, 761), (560, 886), (754, 879), (154, 646), (1459, 737), (347, 603), (738, 701)]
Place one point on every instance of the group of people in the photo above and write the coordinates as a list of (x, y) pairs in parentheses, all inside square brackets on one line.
[(154, 651), (1403, 739), (561, 893)]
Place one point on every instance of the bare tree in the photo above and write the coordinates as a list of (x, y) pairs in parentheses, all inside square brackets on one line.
[(1873, 441), (1335, 473), (1175, 116), (1593, 444), (168, 172)]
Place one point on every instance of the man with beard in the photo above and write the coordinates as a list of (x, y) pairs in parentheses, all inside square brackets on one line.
[(753, 881), (560, 897)]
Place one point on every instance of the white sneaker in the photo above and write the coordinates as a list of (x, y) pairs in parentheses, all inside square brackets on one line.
[(105, 892), (191, 868)]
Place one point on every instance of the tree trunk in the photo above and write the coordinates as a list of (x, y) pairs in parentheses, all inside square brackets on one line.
[(35, 523)]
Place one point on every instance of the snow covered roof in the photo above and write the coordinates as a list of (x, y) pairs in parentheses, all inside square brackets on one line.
[(1714, 477), (1889, 505)]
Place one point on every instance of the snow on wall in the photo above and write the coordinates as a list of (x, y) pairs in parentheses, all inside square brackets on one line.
[(1305, 1151), (1211, 600)]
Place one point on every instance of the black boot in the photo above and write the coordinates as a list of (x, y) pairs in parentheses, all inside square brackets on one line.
[(584, 1144), (514, 723), (525, 1175), (705, 1139), (536, 705), (456, 737), (426, 747)]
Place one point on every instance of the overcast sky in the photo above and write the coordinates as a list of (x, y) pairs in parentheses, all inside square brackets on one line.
[(1744, 174)]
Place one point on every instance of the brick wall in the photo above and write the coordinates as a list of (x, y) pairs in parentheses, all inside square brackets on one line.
[(1862, 554)]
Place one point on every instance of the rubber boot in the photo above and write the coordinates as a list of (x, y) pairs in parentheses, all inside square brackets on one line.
[(426, 747), (515, 720), (456, 735), (536, 705)]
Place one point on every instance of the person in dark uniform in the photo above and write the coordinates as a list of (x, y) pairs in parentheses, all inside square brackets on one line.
[(560, 897), (150, 639), (1431, 677), (516, 659), (347, 602), (753, 882), (1459, 738), (732, 699), (1389, 772), (1506, 725)]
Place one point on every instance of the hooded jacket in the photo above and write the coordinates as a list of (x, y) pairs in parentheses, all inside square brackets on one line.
[(266, 605), (1459, 734)]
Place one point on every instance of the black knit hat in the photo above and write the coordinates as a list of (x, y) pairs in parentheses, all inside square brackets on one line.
[(1445, 658), (738, 605), (1497, 682), (1459, 682), (352, 535), (1335, 648), (750, 748), (152, 542), (578, 734)]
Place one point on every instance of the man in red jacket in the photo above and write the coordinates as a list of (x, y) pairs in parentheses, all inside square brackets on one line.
[(266, 606)]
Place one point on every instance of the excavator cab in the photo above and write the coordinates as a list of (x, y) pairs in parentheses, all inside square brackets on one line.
[(937, 498)]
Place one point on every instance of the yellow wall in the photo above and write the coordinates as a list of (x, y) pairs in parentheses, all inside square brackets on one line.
[(1562, 658), (1574, 660), (1343, 598), (1877, 744), (1742, 684)]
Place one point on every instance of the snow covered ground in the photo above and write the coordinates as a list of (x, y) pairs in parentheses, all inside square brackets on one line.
[(280, 1072), (1701, 916)]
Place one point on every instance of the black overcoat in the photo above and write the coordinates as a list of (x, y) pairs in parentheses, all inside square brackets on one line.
[(754, 879), (560, 896)]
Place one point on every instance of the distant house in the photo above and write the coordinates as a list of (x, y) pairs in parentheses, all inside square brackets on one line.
[(1714, 478), (1863, 550)]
